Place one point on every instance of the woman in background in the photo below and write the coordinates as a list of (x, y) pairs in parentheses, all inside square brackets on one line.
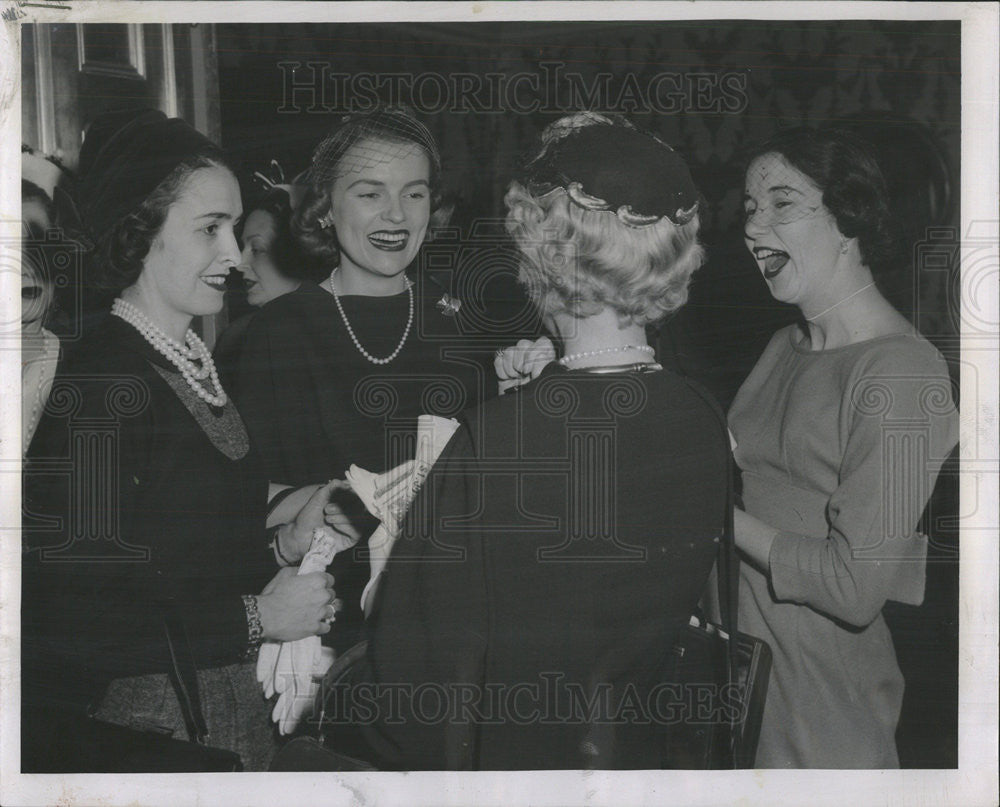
[(39, 346), (271, 264), (841, 429)]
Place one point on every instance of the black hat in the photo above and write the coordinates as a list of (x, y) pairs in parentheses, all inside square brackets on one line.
[(131, 163)]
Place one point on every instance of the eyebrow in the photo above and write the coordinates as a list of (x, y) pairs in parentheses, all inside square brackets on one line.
[(773, 188), (218, 215), (381, 184)]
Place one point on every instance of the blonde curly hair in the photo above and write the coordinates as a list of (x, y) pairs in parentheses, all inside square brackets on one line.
[(578, 261)]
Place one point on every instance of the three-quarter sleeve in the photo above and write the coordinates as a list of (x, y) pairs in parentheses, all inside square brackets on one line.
[(898, 424)]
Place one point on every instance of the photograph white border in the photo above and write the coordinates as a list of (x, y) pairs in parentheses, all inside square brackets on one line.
[(975, 781)]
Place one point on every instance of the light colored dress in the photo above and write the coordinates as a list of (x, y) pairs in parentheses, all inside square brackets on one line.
[(839, 451)]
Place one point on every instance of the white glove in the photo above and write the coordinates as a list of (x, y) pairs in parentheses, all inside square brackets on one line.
[(293, 670)]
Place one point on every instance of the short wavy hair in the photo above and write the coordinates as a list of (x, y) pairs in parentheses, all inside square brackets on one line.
[(385, 125), (578, 261), (119, 256), (843, 166)]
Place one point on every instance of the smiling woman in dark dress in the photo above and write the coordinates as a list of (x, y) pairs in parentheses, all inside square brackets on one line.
[(337, 373), (157, 497)]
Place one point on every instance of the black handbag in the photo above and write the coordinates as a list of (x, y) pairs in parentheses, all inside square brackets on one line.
[(68, 741), (721, 683)]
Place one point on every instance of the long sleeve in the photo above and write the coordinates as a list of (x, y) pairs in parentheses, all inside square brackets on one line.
[(900, 426), (128, 505)]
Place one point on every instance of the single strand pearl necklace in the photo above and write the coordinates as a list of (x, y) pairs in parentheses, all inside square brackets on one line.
[(350, 330), (181, 356), (588, 353)]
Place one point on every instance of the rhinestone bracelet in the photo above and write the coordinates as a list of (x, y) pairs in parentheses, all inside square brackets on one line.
[(255, 629)]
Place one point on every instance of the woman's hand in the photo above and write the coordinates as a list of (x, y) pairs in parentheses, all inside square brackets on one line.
[(296, 537), (293, 606), (524, 361)]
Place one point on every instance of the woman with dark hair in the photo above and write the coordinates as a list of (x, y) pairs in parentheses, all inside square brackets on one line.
[(841, 430), (337, 373), (271, 263), (568, 529), (159, 504)]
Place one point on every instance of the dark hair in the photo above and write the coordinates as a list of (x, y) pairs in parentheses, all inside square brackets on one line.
[(120, 255), (289, 258), (386, 124), (844, 168)]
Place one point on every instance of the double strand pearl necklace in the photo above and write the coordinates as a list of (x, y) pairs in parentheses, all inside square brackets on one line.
[(848, 297), (350, 330), (183, 357), (565, 360)]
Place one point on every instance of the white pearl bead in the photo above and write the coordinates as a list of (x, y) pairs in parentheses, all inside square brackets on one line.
[(588, 353), (350, 330), (182, 357)]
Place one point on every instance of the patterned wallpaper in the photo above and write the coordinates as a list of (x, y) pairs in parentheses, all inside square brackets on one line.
[(710, 88)]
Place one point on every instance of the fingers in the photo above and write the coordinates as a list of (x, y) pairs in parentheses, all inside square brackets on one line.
[(542, 353), (331, 609), (526, 358)]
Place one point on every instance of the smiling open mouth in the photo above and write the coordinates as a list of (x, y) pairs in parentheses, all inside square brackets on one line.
[(390, 240), (215, 281), (774, 260)]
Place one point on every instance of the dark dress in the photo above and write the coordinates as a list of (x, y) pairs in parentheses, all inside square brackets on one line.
[(228, 348), (135, 493), (314, 405), (530, 605)]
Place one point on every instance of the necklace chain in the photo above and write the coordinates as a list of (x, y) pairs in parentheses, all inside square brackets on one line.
[(572, 357), (350, 330), (848, 297), (638, 367), (183, 357)]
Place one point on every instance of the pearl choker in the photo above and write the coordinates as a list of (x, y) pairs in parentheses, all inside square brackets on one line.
[(565, 360), (350, 330), (183, 357)]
